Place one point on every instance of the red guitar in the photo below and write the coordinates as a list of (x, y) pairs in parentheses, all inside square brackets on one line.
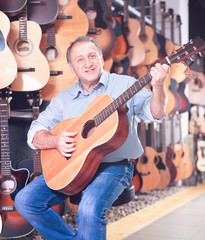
[(101, 129), (8, 66), (33, 69), (12, 180)]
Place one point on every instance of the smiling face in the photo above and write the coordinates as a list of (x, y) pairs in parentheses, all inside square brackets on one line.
[(87, 63)]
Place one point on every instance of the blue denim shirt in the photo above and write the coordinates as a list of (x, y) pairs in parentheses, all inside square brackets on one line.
[(73, 101)]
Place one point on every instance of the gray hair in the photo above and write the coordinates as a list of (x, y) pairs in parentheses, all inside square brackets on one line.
[(82, 39)]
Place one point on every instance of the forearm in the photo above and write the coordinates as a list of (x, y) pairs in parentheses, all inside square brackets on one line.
[(43, 139), (158, 102)]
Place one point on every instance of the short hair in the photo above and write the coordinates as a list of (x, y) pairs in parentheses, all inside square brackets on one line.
[(82, 39)]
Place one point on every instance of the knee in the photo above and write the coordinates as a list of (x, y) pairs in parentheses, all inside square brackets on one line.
[(20, 200)]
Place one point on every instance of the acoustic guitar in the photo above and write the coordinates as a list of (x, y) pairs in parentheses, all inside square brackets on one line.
[(99, 27), (8, 66), (146, 165), (12, 7), (146, 36), (54, 47), (200, 164), (71, 21), (11, 181), (132, 30), (169, 47), (33, 69), (187, 166), (160, 159), (42, 12), (103, 115)]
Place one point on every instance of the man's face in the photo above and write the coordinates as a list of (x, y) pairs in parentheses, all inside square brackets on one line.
[(86, 62)]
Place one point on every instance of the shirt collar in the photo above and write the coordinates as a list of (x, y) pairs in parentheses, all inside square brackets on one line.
[(77, 88)]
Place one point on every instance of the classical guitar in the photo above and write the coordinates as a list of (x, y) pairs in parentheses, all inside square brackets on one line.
[(33, 69), (8, 66), (200, 154), (169, 47), (12, 180), (12, 7), (160, 159), (146, 165), (42, 12), (99, 27), (71, 21), (132, 30), (146, 36), (187, 166), (103, 115), (54, 47), (177, 69)]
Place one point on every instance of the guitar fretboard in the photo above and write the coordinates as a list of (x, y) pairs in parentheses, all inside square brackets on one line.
[(5, 150)]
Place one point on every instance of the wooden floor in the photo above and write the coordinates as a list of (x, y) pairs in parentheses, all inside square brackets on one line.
[(134, 222)]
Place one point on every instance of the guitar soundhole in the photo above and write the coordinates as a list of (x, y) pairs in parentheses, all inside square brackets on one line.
[(143, 160), (143, 37), (23, 47), (7, 184), (51, 53), (88, 128)]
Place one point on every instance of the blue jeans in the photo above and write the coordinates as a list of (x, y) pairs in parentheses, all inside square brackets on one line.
[(34, 203)]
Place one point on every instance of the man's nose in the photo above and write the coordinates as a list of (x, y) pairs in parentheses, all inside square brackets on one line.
[(88, 62)]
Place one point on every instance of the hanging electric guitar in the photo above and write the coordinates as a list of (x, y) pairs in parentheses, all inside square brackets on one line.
[(12, 180), (8, 66), (102, 128), (33, 69)]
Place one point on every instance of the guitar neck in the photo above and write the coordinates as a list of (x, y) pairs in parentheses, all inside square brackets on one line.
[(51, 40), (23, 24), (4, 130)]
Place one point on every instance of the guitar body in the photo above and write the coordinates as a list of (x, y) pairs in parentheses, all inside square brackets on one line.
[(173, 89), (44, 12), (108, 62), (8, 66), (137, 179), (72, 20), (12, 7), (196, 89), (28, 164), (13, 224), (185, 105), (62, 76), (120, 48), (169, 161), (165, 176), (121, 66), (177, 160), (136, 51), (151, 51), (187, 163), (148, 170), (71, 175), (33, 69), (201, 156)]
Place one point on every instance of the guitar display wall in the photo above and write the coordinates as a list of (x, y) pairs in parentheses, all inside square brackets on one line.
[(38, 35)]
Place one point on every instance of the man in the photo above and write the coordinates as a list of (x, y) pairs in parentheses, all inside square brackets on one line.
[(115, 172)]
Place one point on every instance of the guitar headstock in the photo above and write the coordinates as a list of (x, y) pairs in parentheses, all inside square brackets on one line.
[(34, 98), (193, 46), (5, 95)]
